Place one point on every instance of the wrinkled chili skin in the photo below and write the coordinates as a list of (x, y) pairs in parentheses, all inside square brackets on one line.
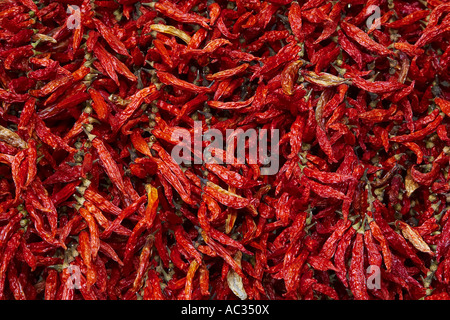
[(95, 96)]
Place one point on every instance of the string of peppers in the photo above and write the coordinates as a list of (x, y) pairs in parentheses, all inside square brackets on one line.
[(94, 206)]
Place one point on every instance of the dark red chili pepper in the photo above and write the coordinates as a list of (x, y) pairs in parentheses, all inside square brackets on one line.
[(49, 138), (357, 279), (329, 247), (170, 79), (354, 97), (419, 134), (8, 255), (339, 255), (84, 247), (144, 261), (183, 240), (93, 232), (323, 190), (133, 207), (171, 11), (111, 38), (394, 239), (430, 33), (362, 38), (51, 285), (295, 19)]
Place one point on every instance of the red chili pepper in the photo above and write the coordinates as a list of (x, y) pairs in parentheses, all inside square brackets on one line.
[(444, 105), (8, 255), (409, 19), (225, 197), (320, 263), (292, 275), (331, 23), (354, 95), (84, 247), (414, 237), (143, 264), (430, 33), (106, 62), (170, 10), (101, 202), (232, 178), (409, 49), (109, 251), (357, 279), (329, 247), (323, 190), (394, 239), (111, 38), (339, 255), (374, 256), (133, 207), (51, 285), (288, 76), (295, 19), (170, 79), (109, 165), (93, 232), (287, 53), (184, 242), (99, 104), (419, 134), (49, 138), (136, 101), (377, 86), (362, 38)]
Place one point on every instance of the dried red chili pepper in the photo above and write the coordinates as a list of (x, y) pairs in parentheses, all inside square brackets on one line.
[(362, 38), (8, 255), (288, 76), (143, 264), (357, 279), (329, 247), (183, 240), (295, 19), (88, 116), (339, 255), (225, 197), (170, 10), (419, 134), (414, 237), (49, 138), (133, 207), (111, 38), (292, 276), (84, 247), (169, 79), (51, 285), (323, 190), (109, 164), (93, 232)]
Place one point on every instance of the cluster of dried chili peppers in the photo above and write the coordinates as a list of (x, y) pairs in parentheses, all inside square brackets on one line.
[(93, 205)]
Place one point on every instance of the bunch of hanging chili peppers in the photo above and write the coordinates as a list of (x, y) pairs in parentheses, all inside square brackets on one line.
[(93, 205)]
